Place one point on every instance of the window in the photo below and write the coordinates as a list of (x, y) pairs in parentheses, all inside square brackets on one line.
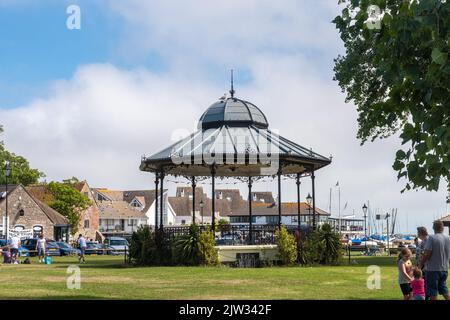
[(244, 219), (21, 212), (86, 224), (132, 222), (272, 219), (294, 219), (37, 230), (19, 227), (183, 221), (100, 197)]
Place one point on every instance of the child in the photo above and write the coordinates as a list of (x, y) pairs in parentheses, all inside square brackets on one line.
[(418, 285), (404, 272)]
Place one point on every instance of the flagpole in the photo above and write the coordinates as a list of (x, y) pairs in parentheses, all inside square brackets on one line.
[(339, 190)]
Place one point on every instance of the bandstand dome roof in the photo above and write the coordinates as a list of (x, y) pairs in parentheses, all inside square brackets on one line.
[(232, 112), (233, 136)]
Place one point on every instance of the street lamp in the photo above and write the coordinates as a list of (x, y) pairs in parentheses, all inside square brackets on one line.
[(7, 172), (309, 201), (201, 208), (364, 208)]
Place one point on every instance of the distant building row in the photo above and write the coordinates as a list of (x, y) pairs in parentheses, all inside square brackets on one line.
[(122, 212)]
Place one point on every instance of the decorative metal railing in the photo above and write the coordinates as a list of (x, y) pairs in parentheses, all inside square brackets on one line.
[(234, 234)]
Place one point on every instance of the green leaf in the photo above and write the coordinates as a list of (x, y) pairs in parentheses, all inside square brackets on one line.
[(438, 56)]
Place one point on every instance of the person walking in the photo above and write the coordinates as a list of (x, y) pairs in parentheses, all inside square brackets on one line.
[(82, 246), (40, 247), (435, 259)]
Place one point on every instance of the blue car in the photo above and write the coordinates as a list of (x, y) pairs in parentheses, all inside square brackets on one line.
[(52, 247), (66, 249)]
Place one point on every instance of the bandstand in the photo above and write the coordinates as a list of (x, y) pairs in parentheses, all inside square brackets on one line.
[(234, 140)]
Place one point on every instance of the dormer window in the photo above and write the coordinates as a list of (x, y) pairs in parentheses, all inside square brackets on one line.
[(101, 197), (135, 203)]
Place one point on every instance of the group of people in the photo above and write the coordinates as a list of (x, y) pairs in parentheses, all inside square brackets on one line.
[(10, 251), (427, 279)]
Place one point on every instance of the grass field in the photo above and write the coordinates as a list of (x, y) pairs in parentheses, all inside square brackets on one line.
[(108, 278)]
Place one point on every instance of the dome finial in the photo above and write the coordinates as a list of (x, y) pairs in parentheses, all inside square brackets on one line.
[(232, 88)]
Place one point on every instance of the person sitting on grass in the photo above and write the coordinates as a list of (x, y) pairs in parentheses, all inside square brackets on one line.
[(418, 285), (6, 254), (404, 272)]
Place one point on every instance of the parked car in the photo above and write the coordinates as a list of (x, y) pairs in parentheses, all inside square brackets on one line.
[(52, 247), (117, 243), (93, 248), (23, 252), (109, 250), (66, 249)]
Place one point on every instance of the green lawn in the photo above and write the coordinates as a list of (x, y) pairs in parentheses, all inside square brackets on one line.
[(107, 278)]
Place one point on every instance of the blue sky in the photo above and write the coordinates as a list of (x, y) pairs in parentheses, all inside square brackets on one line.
[(90, 102), (36, 48)]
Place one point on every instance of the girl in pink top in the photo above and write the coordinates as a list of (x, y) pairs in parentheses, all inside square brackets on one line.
[(418, 285)]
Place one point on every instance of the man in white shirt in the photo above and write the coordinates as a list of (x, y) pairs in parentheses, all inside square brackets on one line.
[(82, 246), (40, 247), (15, 244)]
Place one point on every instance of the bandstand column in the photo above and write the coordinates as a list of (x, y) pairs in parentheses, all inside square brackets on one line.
[(161, 222), (313, 178), (193, 199), (279, 199), (156, 199), (250, 229), (298, 199), (213, 198)]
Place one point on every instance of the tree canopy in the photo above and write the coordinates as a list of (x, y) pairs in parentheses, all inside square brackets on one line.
[(20, 168), (396, 70), (69, 202)]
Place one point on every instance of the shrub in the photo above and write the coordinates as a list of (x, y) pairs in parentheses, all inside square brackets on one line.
[(287, 247), (186, 249), (330, 245), (321, 246), (209, 255), (149, 248)]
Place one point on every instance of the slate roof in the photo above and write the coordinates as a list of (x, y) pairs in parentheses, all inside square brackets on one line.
[(54, 216), (119, 210)]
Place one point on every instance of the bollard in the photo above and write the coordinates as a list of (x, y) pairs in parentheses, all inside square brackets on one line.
[(349, 255), (125, 256)]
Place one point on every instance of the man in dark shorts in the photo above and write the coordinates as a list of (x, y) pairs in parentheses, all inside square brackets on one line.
[(435, 258)]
